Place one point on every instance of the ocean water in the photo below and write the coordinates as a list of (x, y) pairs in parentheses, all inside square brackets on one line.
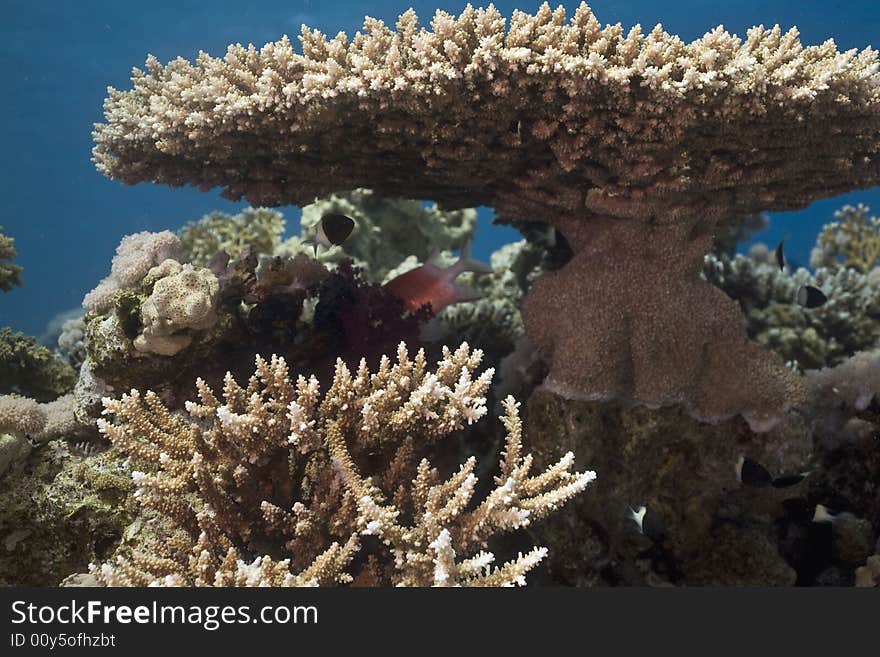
[(57, 58)]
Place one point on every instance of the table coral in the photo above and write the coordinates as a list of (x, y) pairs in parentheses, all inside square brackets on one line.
[(278, 468), (637, 146)]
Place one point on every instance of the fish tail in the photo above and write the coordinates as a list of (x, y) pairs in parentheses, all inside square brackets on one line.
[(466, 263)]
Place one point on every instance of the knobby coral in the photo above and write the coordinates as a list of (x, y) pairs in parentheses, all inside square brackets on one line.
[(636, 146), (277, 484)]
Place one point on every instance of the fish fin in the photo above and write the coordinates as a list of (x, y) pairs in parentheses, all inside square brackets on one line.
[(313, 241), (466, 263)]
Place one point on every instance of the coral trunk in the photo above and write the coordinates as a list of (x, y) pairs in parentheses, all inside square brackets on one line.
[(630, 318)]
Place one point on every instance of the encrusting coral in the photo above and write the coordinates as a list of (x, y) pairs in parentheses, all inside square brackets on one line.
[(10, 274), (851, 241), (277, 484), (638, 147)]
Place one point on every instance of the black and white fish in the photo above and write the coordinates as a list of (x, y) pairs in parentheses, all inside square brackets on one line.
[(333, 230), (649, 523), (751, 473), (809, 296)]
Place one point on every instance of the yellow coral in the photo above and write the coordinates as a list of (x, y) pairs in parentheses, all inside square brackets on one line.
[(851, 241)]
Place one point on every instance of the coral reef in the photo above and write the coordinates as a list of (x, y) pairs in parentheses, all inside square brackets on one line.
[(855, 382), (258, 228), (59, 512), (718, 532), (622, 142), (851, 241), (21, 416), (277, 484), (30, 369), (10, 274)]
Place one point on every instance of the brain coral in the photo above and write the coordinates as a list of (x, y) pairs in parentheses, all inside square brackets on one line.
[(637, 146)]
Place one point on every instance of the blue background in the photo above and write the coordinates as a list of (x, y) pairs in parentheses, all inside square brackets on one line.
[(57, 58)]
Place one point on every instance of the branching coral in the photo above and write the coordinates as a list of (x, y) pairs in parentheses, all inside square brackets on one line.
[(637, 146), (272, 483), (851, 241), (10, 274), (810, 338), (259, 228)]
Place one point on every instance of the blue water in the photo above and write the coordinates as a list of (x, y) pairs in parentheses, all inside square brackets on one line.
[(57, 58)]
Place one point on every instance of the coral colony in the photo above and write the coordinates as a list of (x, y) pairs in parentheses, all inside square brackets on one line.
[(237, 408)]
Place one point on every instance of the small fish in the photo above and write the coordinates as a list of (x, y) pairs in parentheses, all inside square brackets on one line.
[(430, 285), (786, 481), (780, 259), (810, 297), (752, 473), (333, 230), (649, 523), (798, 509)]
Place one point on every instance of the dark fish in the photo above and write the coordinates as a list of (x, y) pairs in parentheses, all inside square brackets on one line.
[(799, 509), (787, 481), (650, 524), (810, 297), (333, 230), (780, 259), (752, 473), (336, 227)]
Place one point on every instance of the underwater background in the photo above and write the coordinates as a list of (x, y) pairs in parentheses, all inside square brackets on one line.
[(637, 377), (57, 59)]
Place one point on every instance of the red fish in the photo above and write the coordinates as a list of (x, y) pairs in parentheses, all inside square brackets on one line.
[(435, 286)]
